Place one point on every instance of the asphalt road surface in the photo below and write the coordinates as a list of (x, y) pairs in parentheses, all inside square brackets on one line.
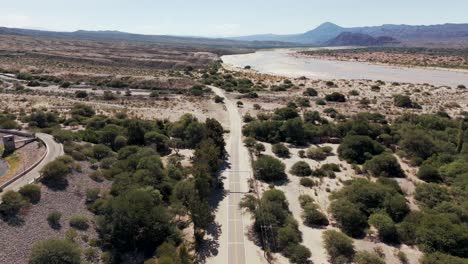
[(237, 176), (54, 150)]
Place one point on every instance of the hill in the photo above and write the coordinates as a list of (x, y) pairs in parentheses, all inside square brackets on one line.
[(432, 35), (359, 39), (117, 36)]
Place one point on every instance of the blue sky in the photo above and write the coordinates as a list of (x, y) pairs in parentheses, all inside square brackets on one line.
[(224, 18)]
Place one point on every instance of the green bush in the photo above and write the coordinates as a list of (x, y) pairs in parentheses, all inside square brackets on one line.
[(307, 182), (301, 168), (268, 168), (55, 172), (402, 101), (429, 173), (316, 154), (335, 97), (313, 217), (31, 192), (439, 258), (54, 219), (364, 257), (431, 194), (101, 151), (338, 246), (310, 92), (280, 150), (55, 252), (384, 165), (350, 219), (11, 204), (385, 226), (79, 222), (358, 149), (298, 254)]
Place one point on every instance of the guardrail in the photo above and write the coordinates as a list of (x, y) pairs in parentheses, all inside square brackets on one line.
[(21, 174)]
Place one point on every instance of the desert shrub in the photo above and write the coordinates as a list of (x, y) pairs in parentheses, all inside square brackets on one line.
[(92, 194), (331, 167), (384, 165), (440, 258), (158, 141), (310, 92), (31, 192), (385, 226), (101, 151), (358, 149), (338, 246), (364, 257), (11, 204), (320, 102), (301, 168), (54, 252), (431, 194), (54, 219), (119, 142), (280, 150), (286, 113), (349, 218), (249, 142), (313, 217), (268, 168), (55, 172), (298, 253), (307, 182), (335, 97), (79, 222), (354, 93), (218, 99), (316, 154), (402, 101), (429, 173), (81, 94)]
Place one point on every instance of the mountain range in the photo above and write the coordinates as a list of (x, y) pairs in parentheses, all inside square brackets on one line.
[(405, 34), (325, 34)]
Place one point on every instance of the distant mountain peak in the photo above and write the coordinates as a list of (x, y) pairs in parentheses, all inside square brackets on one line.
[(328, 25)]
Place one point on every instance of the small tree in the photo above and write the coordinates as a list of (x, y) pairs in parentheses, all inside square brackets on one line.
[(55, 252)]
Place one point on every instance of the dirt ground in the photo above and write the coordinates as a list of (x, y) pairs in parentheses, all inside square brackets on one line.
[(17, 240)]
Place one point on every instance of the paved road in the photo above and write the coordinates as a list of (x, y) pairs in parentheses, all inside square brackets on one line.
[(54, 150), (237, 178)]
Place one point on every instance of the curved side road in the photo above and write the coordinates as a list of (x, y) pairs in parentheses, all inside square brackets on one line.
[(54, 150)]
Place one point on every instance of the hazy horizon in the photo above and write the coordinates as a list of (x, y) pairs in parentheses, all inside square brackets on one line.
[(212, 18)]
